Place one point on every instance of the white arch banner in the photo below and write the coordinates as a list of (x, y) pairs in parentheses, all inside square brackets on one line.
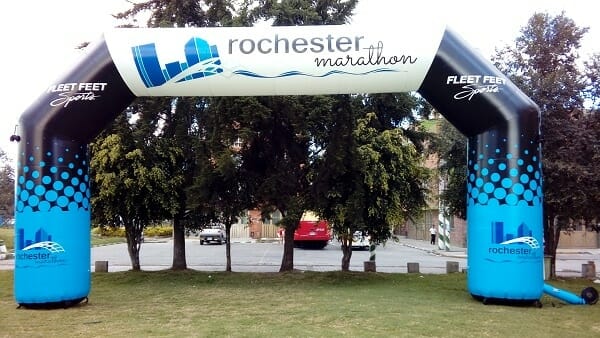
[(287, 61)]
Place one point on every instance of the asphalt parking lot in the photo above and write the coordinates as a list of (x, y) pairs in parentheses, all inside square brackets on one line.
[(250, 256), (266, 257)]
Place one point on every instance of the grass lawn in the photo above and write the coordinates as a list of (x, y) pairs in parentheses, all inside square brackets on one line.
[(8, 235), (104, 240), (300, 304)]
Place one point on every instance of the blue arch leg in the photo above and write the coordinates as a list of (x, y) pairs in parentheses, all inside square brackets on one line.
[(505, 237), (52, 232)]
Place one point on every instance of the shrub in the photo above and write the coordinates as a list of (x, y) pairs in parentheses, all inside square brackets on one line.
[(153, 231), (108, 231), (158, 231)]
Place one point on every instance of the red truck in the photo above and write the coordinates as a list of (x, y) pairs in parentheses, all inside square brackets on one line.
[(312, 234)]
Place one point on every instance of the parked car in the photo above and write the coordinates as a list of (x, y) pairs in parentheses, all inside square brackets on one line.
[(360, 241), (213, 234), (312, 234)]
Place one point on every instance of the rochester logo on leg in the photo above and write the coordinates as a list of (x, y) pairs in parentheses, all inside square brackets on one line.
[(521, 244), (40, 249)]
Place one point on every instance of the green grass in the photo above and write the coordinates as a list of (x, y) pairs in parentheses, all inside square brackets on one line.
[(309, 304), (8, 235), (106, 240)]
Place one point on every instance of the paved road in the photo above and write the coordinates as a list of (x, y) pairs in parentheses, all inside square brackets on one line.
[(266, 257)]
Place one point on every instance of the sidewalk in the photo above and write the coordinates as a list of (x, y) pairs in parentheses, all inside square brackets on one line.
[(453, 251), (576, 251)]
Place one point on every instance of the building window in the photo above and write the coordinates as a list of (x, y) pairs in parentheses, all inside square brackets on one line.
[(274, 218)]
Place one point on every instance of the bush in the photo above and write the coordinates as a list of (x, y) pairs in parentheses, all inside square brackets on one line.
[(153, 231), (158, 231), (109, 231)]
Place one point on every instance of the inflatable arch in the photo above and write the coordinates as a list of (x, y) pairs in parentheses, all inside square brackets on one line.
[(52, 242)]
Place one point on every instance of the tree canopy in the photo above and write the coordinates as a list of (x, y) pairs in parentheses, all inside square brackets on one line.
[(370, 177), (544, 64), (134, 182), (276, 132), (451, 147), (7, 187)]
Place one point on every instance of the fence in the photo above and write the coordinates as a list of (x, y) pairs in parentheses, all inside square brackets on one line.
[(240, 231)]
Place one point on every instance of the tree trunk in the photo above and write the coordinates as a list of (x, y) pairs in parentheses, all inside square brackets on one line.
[(287, 261), (548, 240), (228, 246), (551, 238), (133, 234), (179, 262), (555, 239), (346, 256), (134, 255)]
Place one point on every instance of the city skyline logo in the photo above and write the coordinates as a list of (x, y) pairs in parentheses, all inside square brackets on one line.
[(201, 60), (523, 235), (41, 248), (522, 243)]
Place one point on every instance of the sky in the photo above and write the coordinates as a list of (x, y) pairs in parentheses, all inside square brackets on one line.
[(39, 37)]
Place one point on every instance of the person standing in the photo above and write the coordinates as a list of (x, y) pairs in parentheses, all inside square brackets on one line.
[(433, 232), (280, 234)]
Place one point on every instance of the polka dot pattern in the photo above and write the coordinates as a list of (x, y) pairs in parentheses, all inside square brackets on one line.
[(504, 173), (50, 181)]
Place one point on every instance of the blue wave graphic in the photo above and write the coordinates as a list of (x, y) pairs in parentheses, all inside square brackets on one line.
[(508, 261), (497, 260), (298, 73)]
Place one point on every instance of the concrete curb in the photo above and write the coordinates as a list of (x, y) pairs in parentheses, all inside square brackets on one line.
[(437, 252)]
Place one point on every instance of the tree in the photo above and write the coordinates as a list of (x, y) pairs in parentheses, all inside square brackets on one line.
[(336, 186), (219, 193), (277, 155), (281, 144), (588, 149), (275, 159), (221, 188), (591, 143), (181, 13), (451, 147), (543, 64), (395, 110), (181, 118), (587, 154), (133, 187), (7, 187), (370, 178), (592, 77), (304, 12), (340, 190), (393, 177)]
